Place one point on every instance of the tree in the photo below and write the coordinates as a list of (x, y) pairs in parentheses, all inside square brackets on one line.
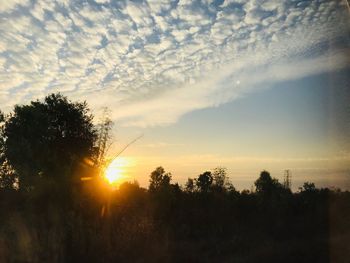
[(130, 193), (163, 194), (8, 176), (308, 188), (220, 178), (159, 179), (189, 186), (103, 137), (204, 181), (48, 139), (266, 185)]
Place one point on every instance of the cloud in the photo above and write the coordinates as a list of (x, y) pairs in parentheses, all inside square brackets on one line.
[(8, 6), (158, 60), (222, 87)]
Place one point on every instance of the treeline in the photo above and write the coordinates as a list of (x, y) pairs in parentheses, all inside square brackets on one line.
[(56, 207), (168, 223)]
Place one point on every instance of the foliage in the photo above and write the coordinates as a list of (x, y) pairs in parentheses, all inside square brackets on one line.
[(8, 176), (308, 187), (266, 185), (220, 177), (47, 139), (159, 179), (204, 181), (190, 185), (171, 225)]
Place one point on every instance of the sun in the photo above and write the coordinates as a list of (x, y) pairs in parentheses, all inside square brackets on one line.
[(115, 171)]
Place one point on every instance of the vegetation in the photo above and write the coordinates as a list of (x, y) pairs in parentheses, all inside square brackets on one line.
[(48, 214)]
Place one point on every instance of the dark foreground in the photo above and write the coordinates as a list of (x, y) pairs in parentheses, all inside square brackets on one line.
[(167, 224)]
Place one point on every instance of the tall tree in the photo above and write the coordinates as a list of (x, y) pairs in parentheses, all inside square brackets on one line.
[(220, 178), (204, 181), (159, 179), (47, 139), (189, 186), (267, 186)]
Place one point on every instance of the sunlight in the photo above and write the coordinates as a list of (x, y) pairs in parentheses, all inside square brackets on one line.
[(116, 171)]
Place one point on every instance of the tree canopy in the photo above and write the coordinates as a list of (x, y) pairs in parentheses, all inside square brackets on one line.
[(268, 187), (204, 181), (159, 179), (48, 139)]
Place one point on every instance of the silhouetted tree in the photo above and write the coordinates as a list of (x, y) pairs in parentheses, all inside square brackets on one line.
[(190, 186), (220, 177), (308, 187), (47, 139), (265, 184), (204, 181), (8, 176), (159, 179), (230, 187), (130, 193)]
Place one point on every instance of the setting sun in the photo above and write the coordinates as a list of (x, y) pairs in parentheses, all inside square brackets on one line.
[(115, 171)]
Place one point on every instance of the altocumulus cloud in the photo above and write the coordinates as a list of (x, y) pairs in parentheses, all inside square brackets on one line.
[(154, 61)]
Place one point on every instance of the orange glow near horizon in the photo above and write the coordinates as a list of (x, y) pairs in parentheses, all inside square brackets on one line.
[(115, 172)]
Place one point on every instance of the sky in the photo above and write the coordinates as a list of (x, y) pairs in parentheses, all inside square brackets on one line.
[(247, 85)]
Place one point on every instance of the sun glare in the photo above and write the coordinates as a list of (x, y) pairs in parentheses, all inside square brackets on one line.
[(115, 172)]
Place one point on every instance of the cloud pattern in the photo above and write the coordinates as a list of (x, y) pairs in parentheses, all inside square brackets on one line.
[(153, 61)]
